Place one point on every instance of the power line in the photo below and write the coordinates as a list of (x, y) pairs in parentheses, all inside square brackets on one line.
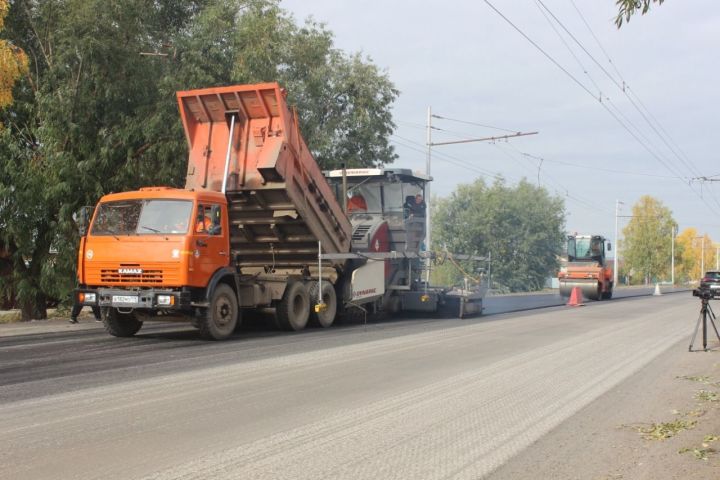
[(672, 145), (407, 143), (567, 46), (621, 87), (590, 77), (601, 169), (583, 87), (475, 124), (625, 84), (559, 188)]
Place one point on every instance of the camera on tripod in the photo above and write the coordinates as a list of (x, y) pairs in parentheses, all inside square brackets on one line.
[(704, 293), (706, 313)]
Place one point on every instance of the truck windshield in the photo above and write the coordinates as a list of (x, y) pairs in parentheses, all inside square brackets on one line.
[(584, 248), (379, 197), (142, 217)]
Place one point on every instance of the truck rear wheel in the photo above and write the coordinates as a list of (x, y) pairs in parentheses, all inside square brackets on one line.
[(120, 324), (220, 319), (294, 308), (325, 318)]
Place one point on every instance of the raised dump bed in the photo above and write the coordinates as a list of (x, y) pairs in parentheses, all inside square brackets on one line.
[(245, 141)]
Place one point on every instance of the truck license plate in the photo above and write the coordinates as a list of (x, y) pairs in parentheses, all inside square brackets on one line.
[(124, 299)]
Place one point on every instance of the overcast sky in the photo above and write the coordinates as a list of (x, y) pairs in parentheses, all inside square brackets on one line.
[(462, 59)]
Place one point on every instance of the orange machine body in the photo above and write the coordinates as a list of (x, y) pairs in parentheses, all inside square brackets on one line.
[(156, 260), (587, 268)]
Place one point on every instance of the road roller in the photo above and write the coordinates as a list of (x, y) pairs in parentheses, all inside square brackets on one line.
[(587, 268)]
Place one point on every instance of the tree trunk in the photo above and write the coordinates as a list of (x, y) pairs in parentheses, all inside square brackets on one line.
[(35, 309)]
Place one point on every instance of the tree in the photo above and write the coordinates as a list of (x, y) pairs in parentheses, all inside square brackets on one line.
[(647, 240), (689, 264), (94, 116), (521, 227), (13, 62), (628, 8)]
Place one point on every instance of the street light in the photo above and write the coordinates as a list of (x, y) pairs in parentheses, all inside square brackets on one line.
[(615, 259), (702, 256), (672, 255)]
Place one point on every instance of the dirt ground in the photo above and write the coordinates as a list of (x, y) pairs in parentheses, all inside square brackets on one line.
[(662, 423)]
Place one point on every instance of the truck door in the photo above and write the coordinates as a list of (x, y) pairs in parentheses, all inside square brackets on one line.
[(210, 240)]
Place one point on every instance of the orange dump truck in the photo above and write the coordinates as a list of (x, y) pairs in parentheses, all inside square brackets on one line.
[(257, 227), (243, 233)]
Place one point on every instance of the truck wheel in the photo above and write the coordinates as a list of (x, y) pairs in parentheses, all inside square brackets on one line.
[(221, 317), (120, 324), (294, 309), (329, 298)]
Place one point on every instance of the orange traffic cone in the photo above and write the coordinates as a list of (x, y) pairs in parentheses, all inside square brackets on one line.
[(576, 298)]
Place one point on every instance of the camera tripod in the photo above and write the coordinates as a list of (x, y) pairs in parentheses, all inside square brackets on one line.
[(706, 313)]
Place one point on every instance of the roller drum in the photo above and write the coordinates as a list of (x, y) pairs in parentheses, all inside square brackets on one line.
[(590, 288)]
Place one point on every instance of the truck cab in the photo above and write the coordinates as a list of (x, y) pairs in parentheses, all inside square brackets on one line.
[(153, 251)]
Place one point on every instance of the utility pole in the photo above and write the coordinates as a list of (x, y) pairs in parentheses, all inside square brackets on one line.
[(717, 257), (430, 144), (617, 251), (428, 225), (672, 255), (702, 258)]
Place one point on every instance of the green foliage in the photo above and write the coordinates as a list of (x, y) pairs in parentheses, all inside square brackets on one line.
[(627, 8), (521, 227), (647, 241), (95, 116)]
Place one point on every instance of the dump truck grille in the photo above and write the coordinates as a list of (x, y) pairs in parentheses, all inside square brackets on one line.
[(134, 274), (126, 275)]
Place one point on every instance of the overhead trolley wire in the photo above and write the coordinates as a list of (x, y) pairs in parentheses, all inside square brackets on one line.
[(592, 80), (416, 146), (625, 84), (673, 146), (612, 79), (583, 87), (474, 123), (559, 187)]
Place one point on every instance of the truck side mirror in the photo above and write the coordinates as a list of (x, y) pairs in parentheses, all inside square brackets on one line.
[(82, 219), (609, 247)]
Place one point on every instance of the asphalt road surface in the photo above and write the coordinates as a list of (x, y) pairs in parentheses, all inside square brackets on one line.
[(412, 398)]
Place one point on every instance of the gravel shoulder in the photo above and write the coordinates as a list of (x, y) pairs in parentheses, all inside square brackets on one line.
[(603, 441)]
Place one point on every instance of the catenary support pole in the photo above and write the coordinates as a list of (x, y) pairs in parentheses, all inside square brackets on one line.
[(428, 200)]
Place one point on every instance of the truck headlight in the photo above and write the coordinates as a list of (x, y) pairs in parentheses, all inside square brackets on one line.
[(166, 300), (87, 297)]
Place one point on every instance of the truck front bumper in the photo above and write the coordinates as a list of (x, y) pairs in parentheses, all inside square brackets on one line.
[(150, 299)]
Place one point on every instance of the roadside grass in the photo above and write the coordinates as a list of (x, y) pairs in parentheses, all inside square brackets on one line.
[(15, 316), (663, 430), (707, 396), (687, 421), (10, 316), (704, 451)]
